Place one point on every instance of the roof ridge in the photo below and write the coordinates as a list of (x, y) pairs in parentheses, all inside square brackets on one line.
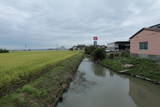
[(154, 25)]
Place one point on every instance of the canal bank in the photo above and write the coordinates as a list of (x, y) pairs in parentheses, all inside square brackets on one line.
[(97, 86), (140, 68)]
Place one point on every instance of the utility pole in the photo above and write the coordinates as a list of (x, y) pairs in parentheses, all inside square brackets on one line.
[(25, 47)]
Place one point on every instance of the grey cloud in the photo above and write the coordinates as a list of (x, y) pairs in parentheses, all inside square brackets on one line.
[(48, 23)]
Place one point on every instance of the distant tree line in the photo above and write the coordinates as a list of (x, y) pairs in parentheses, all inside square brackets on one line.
[(4, 51)]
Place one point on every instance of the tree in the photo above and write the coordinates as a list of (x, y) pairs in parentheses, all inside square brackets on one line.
[(4, 51), (99, 54), (89, 50)]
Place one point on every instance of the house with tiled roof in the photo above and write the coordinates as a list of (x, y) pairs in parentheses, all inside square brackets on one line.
[(146, 43)]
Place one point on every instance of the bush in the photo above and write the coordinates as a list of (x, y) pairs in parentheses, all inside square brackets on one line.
[(111, 56), (125, 54), (99, 54), (89, 50), (4, 51)]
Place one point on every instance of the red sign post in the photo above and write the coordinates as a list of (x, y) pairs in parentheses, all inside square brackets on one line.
[(95, 38)]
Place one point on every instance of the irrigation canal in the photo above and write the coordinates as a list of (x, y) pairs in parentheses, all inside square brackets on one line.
[(96, 86)]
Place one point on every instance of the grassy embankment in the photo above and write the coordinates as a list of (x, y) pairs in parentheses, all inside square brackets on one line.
[(45, 90), (18, 68), (142, 67)]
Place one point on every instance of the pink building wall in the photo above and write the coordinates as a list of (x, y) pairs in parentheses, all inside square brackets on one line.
[(153, 39)]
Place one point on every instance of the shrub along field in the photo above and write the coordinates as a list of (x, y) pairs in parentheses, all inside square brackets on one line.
[(17, 68), (45, 90)]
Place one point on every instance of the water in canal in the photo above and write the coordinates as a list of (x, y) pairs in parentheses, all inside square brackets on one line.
[(96, 86)]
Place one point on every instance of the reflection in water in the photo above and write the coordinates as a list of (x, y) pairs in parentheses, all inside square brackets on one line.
[(95, 86), (144, 94), (98, 70), (111, 74), (81, 83)]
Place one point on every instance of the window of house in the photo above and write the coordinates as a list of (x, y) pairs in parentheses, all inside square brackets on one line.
[(143, 45)]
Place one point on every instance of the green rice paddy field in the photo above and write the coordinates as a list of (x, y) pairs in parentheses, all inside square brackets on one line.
[(16, 66)]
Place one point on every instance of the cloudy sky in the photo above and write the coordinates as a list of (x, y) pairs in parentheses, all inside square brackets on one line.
[(52, 23)]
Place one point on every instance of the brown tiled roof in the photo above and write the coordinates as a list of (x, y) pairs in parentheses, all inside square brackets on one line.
[(155, 28)]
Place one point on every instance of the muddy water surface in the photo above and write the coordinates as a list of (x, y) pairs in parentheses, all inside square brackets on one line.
[(96, 86)]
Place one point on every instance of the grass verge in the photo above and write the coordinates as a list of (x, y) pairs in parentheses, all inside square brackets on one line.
[(142, 67), (46, 90)]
